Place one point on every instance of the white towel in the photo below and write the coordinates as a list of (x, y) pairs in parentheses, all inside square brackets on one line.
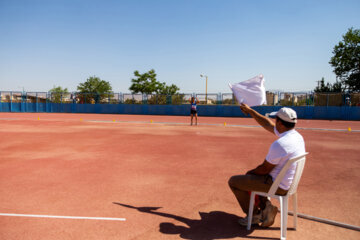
[(251, 92)]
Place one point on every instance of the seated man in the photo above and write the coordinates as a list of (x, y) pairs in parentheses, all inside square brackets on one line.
[(289, 144)]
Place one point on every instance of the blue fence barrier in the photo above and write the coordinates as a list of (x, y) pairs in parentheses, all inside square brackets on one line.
[(304, 112)]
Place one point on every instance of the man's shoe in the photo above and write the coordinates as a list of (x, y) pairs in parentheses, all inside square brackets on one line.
[(257, 218), (269, 214)]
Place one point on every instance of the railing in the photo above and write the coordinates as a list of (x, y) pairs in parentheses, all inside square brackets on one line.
[(273, 98)]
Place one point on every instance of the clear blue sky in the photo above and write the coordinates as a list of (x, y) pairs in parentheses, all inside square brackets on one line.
[(46, 43)]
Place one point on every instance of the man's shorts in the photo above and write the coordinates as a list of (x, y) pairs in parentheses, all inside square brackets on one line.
[(192, 111)]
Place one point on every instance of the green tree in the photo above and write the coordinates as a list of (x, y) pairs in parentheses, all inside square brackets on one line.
[(94, 90), (146, 83), (346, 60), (57, 93), (168, 90), (328, 87)]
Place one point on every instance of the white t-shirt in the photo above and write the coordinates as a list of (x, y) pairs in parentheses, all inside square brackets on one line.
[(289, 145)]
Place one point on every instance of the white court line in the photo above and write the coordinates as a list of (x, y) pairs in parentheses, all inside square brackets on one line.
[(64, 217), (210, 124)]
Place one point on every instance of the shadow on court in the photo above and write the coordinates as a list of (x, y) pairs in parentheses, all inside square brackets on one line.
[(212, 225)]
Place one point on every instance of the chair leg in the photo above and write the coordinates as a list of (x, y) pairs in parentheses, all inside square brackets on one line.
[(251, 209), (295, 209), (284, 214)]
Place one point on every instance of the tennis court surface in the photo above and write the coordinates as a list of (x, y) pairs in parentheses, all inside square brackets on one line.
[(93, 176)]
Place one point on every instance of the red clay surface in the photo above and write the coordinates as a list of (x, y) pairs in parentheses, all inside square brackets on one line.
[(168, 179)]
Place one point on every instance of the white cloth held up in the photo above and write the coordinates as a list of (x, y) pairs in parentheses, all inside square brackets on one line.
[(251, 92)]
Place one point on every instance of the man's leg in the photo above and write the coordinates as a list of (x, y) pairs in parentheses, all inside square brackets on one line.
[(241, 185), (269, 211)]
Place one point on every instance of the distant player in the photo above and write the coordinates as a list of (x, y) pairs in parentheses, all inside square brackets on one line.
[(193, 111)]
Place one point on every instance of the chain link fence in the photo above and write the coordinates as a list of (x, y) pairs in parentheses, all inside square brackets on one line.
[(273, 98)]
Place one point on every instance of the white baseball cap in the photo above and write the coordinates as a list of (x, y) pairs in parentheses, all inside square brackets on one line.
[(287, 114)]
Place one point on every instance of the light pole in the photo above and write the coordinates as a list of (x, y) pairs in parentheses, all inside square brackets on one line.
[(206, 77)]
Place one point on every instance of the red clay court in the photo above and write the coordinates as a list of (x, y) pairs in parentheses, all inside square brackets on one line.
[(166, 178)]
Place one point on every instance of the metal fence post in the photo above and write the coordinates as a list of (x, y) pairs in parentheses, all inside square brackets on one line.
[(327, 100), (10, 101), (46, 102), (37, 107)]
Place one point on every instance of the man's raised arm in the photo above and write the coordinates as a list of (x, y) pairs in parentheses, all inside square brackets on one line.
[(265, 122)]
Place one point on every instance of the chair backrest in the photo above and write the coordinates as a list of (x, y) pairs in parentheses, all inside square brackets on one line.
[(300, 163)]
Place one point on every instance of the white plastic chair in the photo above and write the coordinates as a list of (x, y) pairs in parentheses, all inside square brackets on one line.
[(300, 160)]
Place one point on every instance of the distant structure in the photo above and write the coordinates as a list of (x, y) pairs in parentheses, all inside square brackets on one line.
[(272, 98)]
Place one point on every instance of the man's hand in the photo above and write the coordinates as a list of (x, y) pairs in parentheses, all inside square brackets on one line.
[(263, 169), (245, 108)]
